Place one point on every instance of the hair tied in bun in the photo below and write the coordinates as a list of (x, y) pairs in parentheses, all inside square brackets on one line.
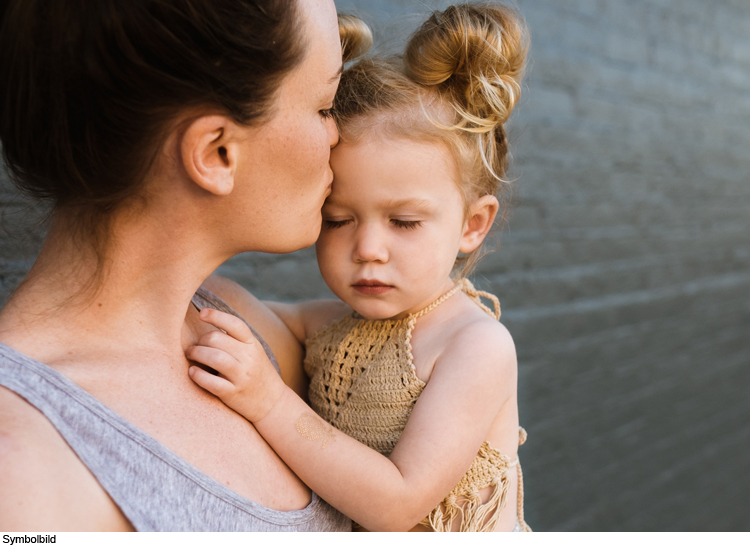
[(356, 37)]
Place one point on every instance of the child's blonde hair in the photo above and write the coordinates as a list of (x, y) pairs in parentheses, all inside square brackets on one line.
[(457, 83)]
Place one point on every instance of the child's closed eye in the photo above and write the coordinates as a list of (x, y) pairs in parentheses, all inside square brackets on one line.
[(335, 224), (406, 224)]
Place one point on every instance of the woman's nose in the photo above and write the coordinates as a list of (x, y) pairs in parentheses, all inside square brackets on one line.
[(370, 246)]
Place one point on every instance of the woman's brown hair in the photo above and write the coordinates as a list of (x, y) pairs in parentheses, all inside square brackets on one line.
[(91, 86)]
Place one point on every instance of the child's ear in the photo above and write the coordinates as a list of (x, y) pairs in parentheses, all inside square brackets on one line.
[(209, 149), (482, 214)]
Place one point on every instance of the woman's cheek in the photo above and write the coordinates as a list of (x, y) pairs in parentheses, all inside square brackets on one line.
[(323, 149)]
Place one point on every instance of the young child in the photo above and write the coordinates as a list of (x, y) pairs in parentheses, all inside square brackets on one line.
[(421, 372)]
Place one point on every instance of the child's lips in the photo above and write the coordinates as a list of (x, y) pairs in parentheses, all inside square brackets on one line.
[(372, 287)]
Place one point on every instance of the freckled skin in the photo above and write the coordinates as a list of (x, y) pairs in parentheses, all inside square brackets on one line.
[(312, 429), (127, 346)]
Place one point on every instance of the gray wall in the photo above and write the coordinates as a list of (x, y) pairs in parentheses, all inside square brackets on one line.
[(624, 270)]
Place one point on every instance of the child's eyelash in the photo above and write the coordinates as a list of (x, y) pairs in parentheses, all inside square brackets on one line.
[(335, 224), (326, 113), (406, 224)]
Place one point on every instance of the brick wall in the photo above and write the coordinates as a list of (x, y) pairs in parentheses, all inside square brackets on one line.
[(624, 270)]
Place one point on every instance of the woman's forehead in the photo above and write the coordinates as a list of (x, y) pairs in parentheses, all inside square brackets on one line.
[(321, 34)]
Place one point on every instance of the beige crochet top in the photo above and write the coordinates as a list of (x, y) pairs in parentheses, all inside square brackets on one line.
[(363, 381)]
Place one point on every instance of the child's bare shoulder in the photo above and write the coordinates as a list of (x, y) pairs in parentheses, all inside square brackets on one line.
[(475, 370), (321, 313), (483, 345), (482, 336), (306, 318)]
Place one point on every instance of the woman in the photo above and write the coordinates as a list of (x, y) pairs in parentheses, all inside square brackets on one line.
[(169, 136)]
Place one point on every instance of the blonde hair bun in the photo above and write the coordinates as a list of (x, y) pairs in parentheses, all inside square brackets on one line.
[(356, 37), (475, 55)]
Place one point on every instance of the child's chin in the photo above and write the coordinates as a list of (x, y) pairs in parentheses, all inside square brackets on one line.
[(377, 313)]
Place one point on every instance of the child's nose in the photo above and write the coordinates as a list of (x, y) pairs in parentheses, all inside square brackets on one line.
[(369, 245), (333, 132)]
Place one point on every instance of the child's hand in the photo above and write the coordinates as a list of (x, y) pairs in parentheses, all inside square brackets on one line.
[(247, 381)]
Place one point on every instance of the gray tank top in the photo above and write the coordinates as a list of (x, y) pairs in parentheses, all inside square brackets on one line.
[(154, 488)]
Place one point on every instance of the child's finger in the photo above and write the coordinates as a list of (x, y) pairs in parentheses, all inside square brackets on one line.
[(214, 358), (223, 341), (212, 383), (243, 352), (233, 326)]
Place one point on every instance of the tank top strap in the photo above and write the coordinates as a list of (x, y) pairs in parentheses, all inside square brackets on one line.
[(204, 298)]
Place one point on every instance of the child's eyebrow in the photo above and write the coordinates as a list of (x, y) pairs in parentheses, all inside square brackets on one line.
[(416, 203)]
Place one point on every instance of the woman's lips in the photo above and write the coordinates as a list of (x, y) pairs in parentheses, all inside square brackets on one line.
[(371, 287)]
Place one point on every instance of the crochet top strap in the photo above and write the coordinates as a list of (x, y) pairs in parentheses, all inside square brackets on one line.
[(467, 287), (476, 295)]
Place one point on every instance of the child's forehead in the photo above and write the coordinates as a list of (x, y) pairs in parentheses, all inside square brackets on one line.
[(391, 165), (407, 202), (382, 147), (425, 117), (391, 172)]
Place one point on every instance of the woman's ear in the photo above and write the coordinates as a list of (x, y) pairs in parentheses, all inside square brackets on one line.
[(481, 216), (209, 153)]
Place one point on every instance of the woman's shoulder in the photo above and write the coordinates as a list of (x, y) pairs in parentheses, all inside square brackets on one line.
[(237, 297), (280, 338), (42, 477), (22, 435), (254, 311)]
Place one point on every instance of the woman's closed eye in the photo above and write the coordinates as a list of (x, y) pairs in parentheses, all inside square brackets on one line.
[(406, 224), (326, 113)]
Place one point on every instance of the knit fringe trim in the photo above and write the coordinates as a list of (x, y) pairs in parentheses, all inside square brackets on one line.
[(475, 516)]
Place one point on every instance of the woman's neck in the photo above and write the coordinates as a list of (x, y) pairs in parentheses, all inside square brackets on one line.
[(148, 276)]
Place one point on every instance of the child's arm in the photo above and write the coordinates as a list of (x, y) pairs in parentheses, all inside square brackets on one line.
[(288, 350), (447, 426), (306, 318), (303, 320), (284, 327)]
